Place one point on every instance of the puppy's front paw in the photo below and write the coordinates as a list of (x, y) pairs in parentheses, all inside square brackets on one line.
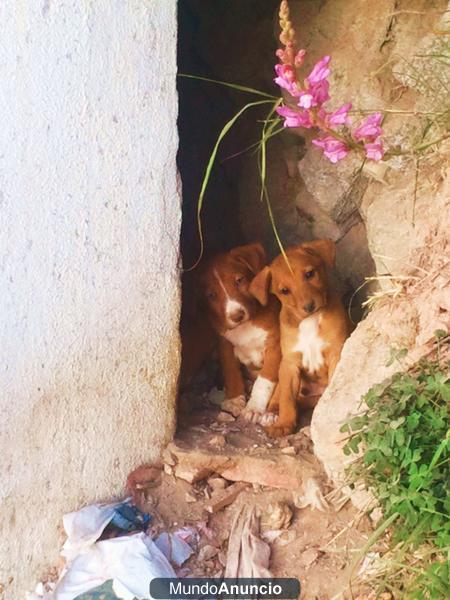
[(259, 399), (280, 429), (251, 415), (267, 419)]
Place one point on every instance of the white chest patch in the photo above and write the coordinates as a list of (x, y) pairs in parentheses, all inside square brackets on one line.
[(249, 344), (310, 344)]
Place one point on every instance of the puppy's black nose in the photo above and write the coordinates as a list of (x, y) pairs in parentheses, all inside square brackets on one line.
[(237, 316), (310, 306)]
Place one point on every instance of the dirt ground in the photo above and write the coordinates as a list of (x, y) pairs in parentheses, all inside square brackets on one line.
[(316, 546)]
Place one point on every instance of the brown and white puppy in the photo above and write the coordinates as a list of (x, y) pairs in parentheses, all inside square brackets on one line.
[(313, 327), (248, 333)]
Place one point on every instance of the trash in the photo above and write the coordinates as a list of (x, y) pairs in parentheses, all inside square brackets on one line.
[(174, 548), (311, 496), (85, 526), (225, 498), (248, 554), (129, 518), (130, 561), (277, 515)]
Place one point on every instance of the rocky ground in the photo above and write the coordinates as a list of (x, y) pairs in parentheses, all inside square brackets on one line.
[(218, 463)]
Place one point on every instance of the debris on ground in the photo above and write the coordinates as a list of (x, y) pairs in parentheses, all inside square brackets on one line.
[(215, 478), (248, 554), (311, 495), (225, 498), (276, 516)]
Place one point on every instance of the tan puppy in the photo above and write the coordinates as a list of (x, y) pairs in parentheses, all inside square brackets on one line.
[(248, 333), (313, 327)]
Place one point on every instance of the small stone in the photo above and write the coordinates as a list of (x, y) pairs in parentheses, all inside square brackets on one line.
[(207, 552), (168, 458), (289, 450), (218, 440), (217, 483), (277, 515), (225, 497), (234, 405), (283, 443), (308, 557), (168, 470), (222, 559), (224, 417), (190, 498)]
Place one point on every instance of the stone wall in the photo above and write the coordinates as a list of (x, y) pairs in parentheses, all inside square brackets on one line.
[(90, 213)]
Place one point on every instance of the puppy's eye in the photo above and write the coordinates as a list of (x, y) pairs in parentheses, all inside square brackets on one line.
[(285, 291), (239, 280), (211, 295), (309, 274)]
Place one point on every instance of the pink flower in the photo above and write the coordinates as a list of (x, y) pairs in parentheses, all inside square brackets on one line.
[(369, 129), (333, 149), (286, 79), (314, 95), (336, 118), (320, 71), (299, 58), (295, 118), (374, 150)]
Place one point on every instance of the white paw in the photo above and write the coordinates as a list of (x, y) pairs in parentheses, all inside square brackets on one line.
[(251, 415), (261, 394), (234, 405), (268, 419)]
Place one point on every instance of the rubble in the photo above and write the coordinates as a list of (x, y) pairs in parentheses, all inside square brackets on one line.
[(225, 498), (266, 467), (278, 515)]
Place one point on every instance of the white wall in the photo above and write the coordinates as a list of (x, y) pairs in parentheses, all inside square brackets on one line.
[(89, 302)]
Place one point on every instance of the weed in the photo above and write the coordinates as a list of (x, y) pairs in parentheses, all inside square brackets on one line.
[(402, 447)]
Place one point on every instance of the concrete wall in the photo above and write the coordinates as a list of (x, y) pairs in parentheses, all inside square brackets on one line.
[(89, 303)]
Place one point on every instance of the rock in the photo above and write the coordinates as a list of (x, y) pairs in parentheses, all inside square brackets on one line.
[(207, 552), (224, 417), (190, 498), (234, 405), (216, 396), (225, 498), (218, 440), (308, 557), (267, 468), (217, 483), (222, 558), (289, 450), (277, 515), (168, 470), (168, 458)]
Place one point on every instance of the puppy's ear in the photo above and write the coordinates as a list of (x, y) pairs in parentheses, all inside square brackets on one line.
[(326, 249), (252, 256), (259, 287)]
